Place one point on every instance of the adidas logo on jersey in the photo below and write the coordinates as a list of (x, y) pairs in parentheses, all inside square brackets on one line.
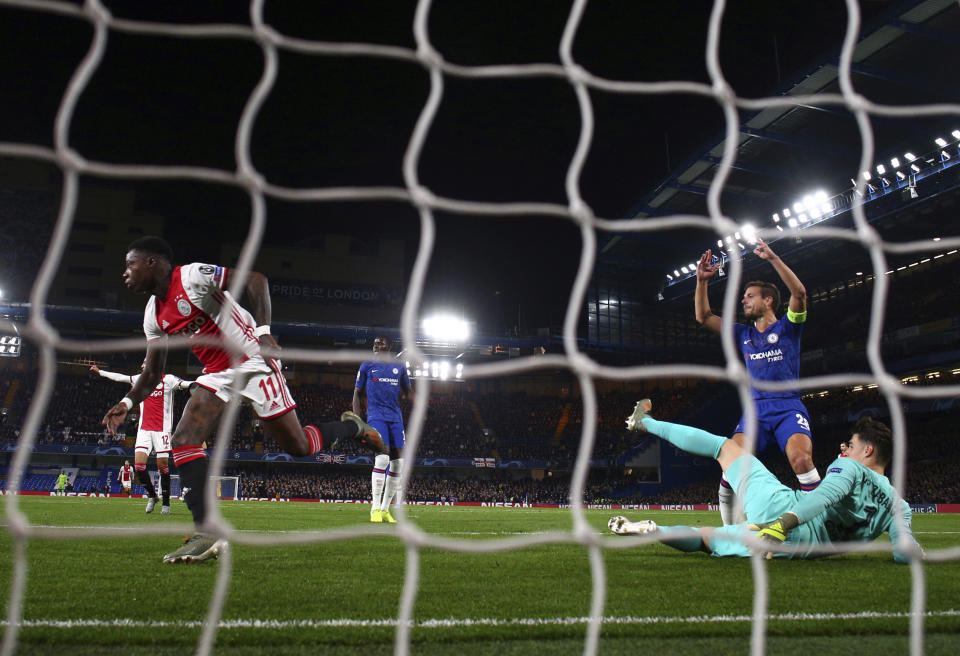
[(165, 324)]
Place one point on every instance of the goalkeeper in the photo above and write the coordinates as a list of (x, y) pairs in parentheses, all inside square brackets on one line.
[(855, 502)]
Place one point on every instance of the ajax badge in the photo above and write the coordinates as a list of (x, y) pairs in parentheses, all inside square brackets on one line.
[(183, 307)]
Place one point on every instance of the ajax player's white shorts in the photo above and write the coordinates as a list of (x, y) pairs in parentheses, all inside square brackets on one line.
[(153, 440), (126, 485), (257, 381)]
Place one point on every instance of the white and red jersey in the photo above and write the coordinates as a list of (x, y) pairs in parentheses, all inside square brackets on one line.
[(156, 411), (197, 305), (126, 474)]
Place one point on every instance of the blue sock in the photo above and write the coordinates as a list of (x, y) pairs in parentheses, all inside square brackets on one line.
[(690, 439), (685, 540)]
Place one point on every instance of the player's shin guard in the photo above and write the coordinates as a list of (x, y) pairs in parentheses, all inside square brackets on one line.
[(682, 538), (145, 481), (727, 502), (690, 439), (810, 480), (393, 483), (377, 479), (191, 462), (165, 484)]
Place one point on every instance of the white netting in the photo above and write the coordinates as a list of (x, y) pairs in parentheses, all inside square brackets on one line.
[(73, 164)]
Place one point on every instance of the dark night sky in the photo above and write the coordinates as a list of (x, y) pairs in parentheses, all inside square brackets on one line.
[(333, 121)]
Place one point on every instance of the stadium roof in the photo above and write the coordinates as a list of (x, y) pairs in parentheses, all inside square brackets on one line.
[(785, 153)]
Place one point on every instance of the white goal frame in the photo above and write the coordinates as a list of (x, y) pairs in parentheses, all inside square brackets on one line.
[(216, 482)]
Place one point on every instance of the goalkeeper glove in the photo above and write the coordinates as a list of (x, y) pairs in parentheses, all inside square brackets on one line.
[(775, 533)]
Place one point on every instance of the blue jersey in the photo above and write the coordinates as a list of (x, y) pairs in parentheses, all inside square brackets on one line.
[(772, 355), (853, 504), (383, 382)]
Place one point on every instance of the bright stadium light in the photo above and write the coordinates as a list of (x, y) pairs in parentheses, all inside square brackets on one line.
[(895, 162), (881, 169), (956, 134), (446, 329), (901, 175), (719, 243), (685, 269), (729, 239), (792, 223), (940, 142), (798, 207), (866, 175), (693, 267), (776, 218), (909, 157), (677, 273), (786, 212), (749, 233)]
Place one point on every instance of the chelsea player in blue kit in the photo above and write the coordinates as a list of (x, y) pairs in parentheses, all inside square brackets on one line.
[(771, 351), (384, 379), (855, 502)]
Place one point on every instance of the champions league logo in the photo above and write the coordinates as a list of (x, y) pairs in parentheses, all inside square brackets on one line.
[(773, 338)]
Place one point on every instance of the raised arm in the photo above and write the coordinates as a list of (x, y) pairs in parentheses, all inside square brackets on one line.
[(798, 293), (109, 375), (152, 374), (701, 298)]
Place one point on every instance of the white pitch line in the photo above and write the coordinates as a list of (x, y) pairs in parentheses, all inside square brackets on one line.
[(465, 622)]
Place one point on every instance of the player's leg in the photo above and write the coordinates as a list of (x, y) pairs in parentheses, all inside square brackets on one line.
[(198, 421), (140, 454), (681, 538), (163, 466), (692, 440), (394, 441), (378, 477), (266, 390), (793, 436)]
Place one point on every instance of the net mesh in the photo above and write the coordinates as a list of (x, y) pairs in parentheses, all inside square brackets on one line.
[(73, 164)]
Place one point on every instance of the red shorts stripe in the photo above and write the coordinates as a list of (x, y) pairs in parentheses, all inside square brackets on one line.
[(183, 455)]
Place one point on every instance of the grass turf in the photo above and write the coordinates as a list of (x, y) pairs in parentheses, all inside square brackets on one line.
[(339, 597)]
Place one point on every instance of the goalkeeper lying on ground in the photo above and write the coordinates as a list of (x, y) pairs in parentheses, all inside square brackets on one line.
[(854, 503)]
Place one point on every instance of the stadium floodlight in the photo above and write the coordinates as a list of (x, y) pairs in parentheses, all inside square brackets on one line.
[(693, 267), (749, 233), (956, 134), (909, 156), (936, 239), (776, 218), (677, 273), (742, 247), (719, 243), (459, 373), (786, 212), (901, 175), (729, 239), (669, 277), (940, 142), (914, 168), (881, 169), (792, 223), (798, 207), (803, 217), (446, 329), (736, 236), (895, 162), (944, 155), (867, 175), (685, 269), (780, 228)]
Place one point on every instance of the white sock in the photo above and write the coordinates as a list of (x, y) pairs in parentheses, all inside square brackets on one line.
[(377, 479), (393, 483), (810, 480), (728, 503)]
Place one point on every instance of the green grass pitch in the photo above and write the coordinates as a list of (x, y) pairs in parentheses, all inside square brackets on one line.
[(101, 595)]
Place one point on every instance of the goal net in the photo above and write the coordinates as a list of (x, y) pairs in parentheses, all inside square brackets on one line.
[(274, 50)]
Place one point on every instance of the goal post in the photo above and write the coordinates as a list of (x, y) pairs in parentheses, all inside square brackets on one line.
[(226, 487)]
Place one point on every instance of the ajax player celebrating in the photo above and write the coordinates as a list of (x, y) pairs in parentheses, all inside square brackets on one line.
[(192, 300), (153, 432), (771, 351)]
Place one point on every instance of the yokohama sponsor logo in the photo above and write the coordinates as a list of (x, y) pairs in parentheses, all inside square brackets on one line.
[(766, 355)]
